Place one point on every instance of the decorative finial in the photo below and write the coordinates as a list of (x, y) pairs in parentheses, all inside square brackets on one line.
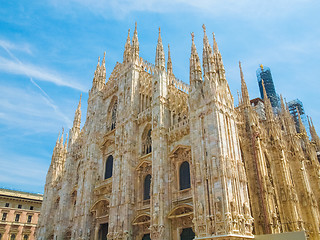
[(261, 66), (159, 30), (204, 28), (192, 36), (99, 60), (241, 73)]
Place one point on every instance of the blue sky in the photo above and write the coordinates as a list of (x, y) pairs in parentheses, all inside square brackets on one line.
[(49, 51)]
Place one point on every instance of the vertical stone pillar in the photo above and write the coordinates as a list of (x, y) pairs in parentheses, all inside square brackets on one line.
[(160, 225)]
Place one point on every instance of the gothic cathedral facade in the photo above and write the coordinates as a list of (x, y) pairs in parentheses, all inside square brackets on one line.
[(160, 159)]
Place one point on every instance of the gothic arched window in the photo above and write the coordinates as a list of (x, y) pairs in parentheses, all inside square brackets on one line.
[(109, 166), (184, 175), (147, 142), (114, 115), (146, 187)]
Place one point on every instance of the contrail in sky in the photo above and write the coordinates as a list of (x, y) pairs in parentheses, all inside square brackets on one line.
[(46, 97)]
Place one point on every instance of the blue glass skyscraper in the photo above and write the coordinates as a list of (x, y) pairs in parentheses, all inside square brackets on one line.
[(264, 73)]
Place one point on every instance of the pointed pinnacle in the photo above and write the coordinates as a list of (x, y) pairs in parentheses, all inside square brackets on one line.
[(283, 108), (159, 36), (193, 46), (267, 103), (58, 140), (79, 104), (244, 89), (135, 35), (309, 123), (302, 128), (104, 58), (204, 29), (215, 45), (66, 141), (169, 63), (241, 73), (128, 37), (265, 96), (61, 139), (206, 43), (135, 29), (160, 58)]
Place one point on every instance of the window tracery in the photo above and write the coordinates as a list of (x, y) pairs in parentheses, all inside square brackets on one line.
[(114, 115), (147, 142)]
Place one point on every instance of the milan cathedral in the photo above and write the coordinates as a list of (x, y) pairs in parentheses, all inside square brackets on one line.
[(160, 159)]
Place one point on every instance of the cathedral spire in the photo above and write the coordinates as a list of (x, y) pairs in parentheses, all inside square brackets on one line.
[(215, 45), (160, 60), (96, 72), (288, 121), (207, 56), (283, 107), (195, 68), (135, 44), (75, 130), (267, 103), (77, 116), (244, 89), (66, 144), (314, 136), (301, 125), (219, 67), (127, 49), (61, 139), (169, 63), (103, 69)]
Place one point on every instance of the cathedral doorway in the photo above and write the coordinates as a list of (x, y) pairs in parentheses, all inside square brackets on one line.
[(103, 231), (146, 237), (187, 234)]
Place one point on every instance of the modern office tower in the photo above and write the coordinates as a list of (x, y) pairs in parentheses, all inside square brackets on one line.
[(264, 73), (295, 106)]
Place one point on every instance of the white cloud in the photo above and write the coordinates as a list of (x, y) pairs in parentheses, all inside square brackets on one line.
[(24, 47), (28, 111), (39, 73)]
